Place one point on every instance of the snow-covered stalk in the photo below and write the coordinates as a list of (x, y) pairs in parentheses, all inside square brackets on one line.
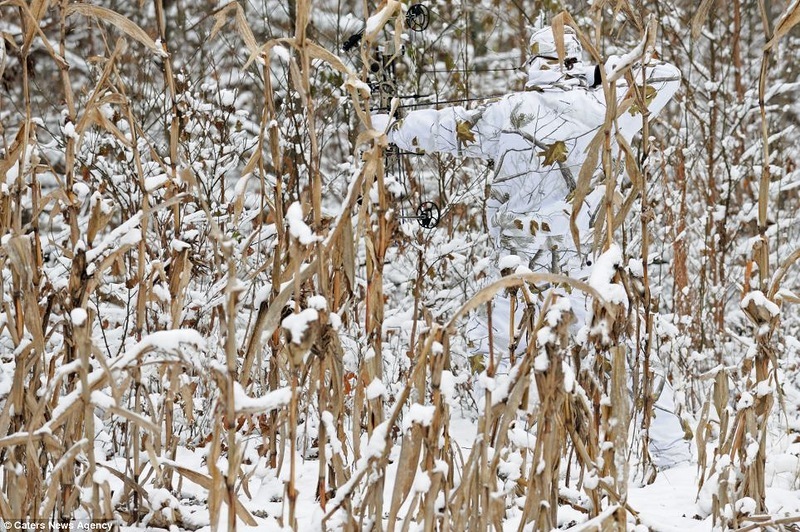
[(233, 290), (752, 446), (81, 329), (541, 504)]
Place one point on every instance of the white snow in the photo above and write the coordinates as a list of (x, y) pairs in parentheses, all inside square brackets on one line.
[(330, 429), (763, 388), (297, 323), (377, 442), (335, 321), (746, 506), (380, 17), (31, 155), (376, 389), (380, 121), (297, 227), (81, 190), (102, 399), (760, 300), (173, 341), (318, 302), (227, 97), (603, 271), (422, 482), (266, 403), (69, 131), (418, 413), (541, 363), (745, 401), (179, 245), (636, 267), (591, 480), (557, 310), (509, 262), (526, 216), (161, 498), (560, 307), (102, 476), (569, 377), (125, 233), (78, 317), (785, 293), (481, 265), (153, 183)]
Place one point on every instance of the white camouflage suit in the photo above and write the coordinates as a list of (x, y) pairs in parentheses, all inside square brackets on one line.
[(538, 140)]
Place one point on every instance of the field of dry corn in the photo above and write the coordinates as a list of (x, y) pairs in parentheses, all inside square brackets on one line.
[(217, 313)]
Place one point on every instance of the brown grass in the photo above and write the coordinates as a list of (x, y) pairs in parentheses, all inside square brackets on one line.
[(583, 435)]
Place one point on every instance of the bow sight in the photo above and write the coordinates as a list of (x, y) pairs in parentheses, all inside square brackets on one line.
[(381, 68), (417, 19)]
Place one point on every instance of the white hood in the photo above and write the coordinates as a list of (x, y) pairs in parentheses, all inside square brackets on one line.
[(544, 68)]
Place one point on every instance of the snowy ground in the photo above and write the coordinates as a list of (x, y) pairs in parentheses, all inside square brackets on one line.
[(670, 504)]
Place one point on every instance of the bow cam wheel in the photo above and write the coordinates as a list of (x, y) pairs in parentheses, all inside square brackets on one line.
[(417, 17), (428, 215)]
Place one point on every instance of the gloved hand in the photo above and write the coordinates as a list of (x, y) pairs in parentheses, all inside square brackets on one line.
[(380, 121)]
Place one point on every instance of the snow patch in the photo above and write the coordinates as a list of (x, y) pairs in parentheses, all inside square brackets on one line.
[(271, 401), (376, 389), (78, 317), (509, 262), (297, 324), (418, 413), (603, 272), (758, 298), (297, 227), (318, 302)]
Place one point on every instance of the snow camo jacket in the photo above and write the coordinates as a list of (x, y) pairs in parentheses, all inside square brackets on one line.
[(538, 142)]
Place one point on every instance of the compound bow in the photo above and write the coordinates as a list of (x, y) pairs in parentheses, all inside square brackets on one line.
[(383, 83)]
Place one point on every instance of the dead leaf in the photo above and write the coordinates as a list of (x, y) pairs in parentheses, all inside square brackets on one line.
[(557, 25), (464, 132), (700, 17), (554, 153), (118, 21), (789, 19), (649, 95), (477, 364)]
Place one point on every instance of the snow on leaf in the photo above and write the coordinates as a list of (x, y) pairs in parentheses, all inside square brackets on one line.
[(422, 414), (271, 401), (318, 302), (380, 18), (297, 324), (297, 227), (376, 389), (78, 316), (746, 401), (422, 482), (746, 506), (603, 273), (757, 298), (509, 262)]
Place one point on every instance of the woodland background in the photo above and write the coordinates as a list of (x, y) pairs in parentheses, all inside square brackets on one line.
[(177, 178)]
